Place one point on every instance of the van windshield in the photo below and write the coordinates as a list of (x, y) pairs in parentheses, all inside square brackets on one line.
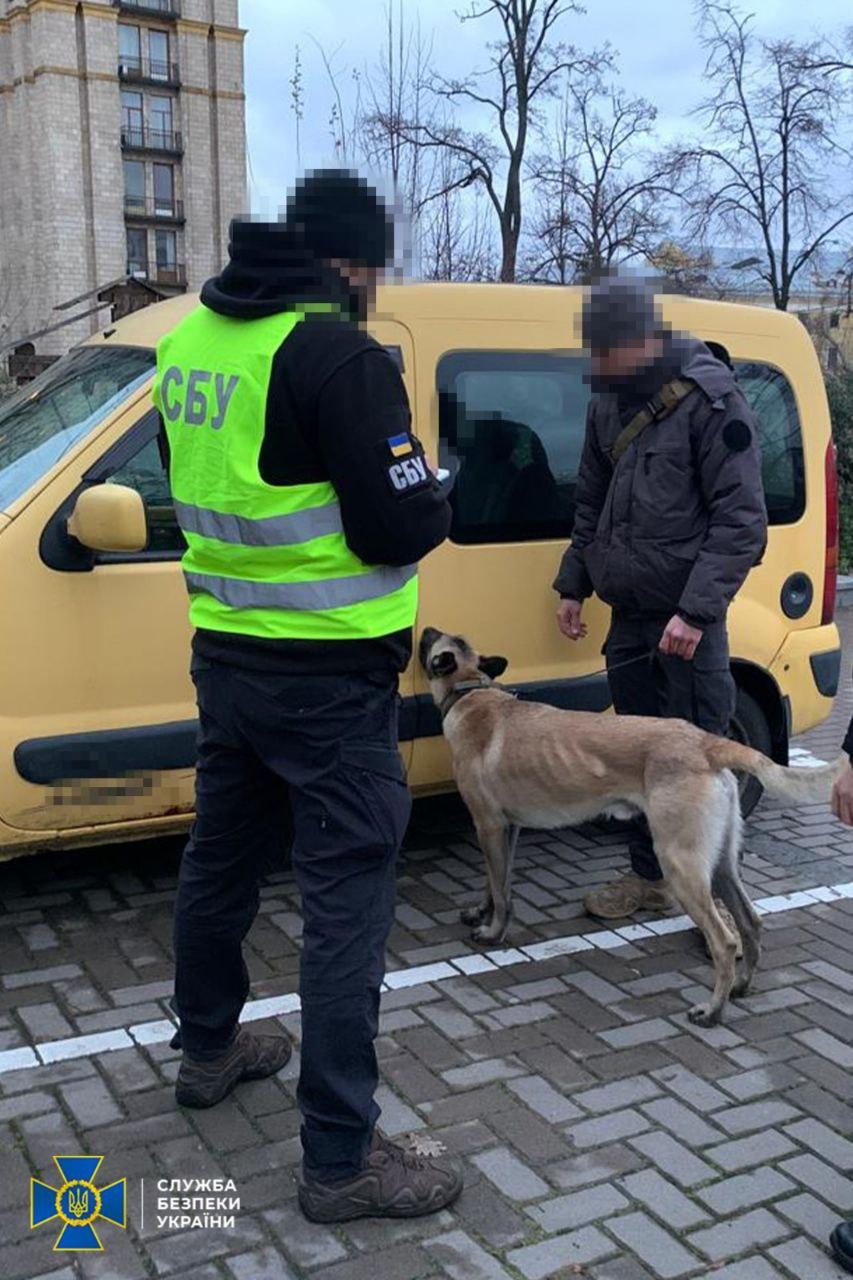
[(51, 414)]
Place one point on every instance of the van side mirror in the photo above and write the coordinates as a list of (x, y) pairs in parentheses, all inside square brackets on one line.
[(109, 517)]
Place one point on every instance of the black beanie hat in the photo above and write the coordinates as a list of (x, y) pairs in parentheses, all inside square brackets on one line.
[(619, 311), (338, 215)]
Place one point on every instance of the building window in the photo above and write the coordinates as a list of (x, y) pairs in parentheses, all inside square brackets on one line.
[(164, 190), (134, 186), (158, 54), (160, 116), (129, 50), (166, 250), (131, 118), (137, 252)]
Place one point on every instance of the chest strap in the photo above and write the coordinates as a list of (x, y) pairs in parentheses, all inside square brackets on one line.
[(660, 406)]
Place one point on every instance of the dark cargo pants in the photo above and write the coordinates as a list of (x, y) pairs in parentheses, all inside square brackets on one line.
[(322, 750), (701, 691)]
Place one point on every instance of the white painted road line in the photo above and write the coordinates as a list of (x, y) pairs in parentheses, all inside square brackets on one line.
[(29, 1057), (84, 1046)]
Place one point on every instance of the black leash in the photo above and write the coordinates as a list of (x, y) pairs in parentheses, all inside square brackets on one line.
[(642, 657)]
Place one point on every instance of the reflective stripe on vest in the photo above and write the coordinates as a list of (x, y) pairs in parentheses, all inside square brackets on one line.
[(269, 531), (264, 560), (325, 593)]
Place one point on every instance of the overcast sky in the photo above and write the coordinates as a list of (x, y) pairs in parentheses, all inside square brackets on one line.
[(655, 40)]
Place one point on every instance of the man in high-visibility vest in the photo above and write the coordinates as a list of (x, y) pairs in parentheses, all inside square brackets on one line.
[(306, 503)]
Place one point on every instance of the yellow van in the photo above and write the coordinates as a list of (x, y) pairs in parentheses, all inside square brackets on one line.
[(97, 713)]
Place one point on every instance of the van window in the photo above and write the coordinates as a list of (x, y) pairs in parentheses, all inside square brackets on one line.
[(511, 429), (55, 411), (771, 399), (146, 473)]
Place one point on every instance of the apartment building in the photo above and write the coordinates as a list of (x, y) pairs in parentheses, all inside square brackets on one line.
[(122, 156)]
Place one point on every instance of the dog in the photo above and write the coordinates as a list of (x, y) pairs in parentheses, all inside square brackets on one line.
[(525, 764)]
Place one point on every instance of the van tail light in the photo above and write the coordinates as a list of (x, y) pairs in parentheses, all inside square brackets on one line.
[(830, 573)]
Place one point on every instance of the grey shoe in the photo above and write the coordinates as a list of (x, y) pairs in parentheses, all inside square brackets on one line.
[(398, 1180), (624, 897), (204, 1082)]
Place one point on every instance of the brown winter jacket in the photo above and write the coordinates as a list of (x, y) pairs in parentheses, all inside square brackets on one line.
[(678, 522)]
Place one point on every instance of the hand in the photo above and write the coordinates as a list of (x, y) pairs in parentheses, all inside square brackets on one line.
[(680, 639), (842, 797), (569, 619)]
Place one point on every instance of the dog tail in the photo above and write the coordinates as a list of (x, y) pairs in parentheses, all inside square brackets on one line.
[(812, 785)]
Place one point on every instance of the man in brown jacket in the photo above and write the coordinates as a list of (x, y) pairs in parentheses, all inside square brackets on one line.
[(669, 519)]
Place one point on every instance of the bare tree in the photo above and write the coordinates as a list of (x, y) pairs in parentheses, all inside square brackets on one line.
[(448, 223), (395, 93), (764, 174), (345, 117), (834, 57), (523, 70), (454, 231), (297, 102), (396, 104), (601, 198)]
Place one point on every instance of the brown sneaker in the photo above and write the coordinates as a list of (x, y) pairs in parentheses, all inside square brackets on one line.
[(204, 1082), (625, 896), (728, 921), (398, 1180)]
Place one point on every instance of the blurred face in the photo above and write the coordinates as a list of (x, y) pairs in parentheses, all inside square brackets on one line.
[(621, 362), (362, 279)]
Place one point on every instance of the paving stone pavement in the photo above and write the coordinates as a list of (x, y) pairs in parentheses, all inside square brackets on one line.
[(603, 1135)]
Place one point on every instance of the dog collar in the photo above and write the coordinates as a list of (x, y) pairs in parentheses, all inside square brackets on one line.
[(459, 691)]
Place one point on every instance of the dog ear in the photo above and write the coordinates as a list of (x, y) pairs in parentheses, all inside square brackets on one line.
[(494, 666), (442, 664)]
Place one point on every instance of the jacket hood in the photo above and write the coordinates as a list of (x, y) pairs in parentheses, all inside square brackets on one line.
[(270, 270), (714, 377)]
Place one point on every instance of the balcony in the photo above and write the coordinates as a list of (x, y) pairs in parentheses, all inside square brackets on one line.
[(169, 142), (148, 71), (173, 277), (153, 8), (156, 210)]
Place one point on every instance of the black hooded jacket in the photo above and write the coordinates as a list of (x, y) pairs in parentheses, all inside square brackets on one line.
[(678, 522), (335, 398)]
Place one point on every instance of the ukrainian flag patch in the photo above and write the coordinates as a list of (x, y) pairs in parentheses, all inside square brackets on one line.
[(401, 446)]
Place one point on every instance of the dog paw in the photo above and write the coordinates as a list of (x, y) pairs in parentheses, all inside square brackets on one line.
[(473, 915), (701, 1016), (740, 988), (485, 934)]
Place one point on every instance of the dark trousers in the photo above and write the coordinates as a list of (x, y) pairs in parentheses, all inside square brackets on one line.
[(701, 691), (320, 751)]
